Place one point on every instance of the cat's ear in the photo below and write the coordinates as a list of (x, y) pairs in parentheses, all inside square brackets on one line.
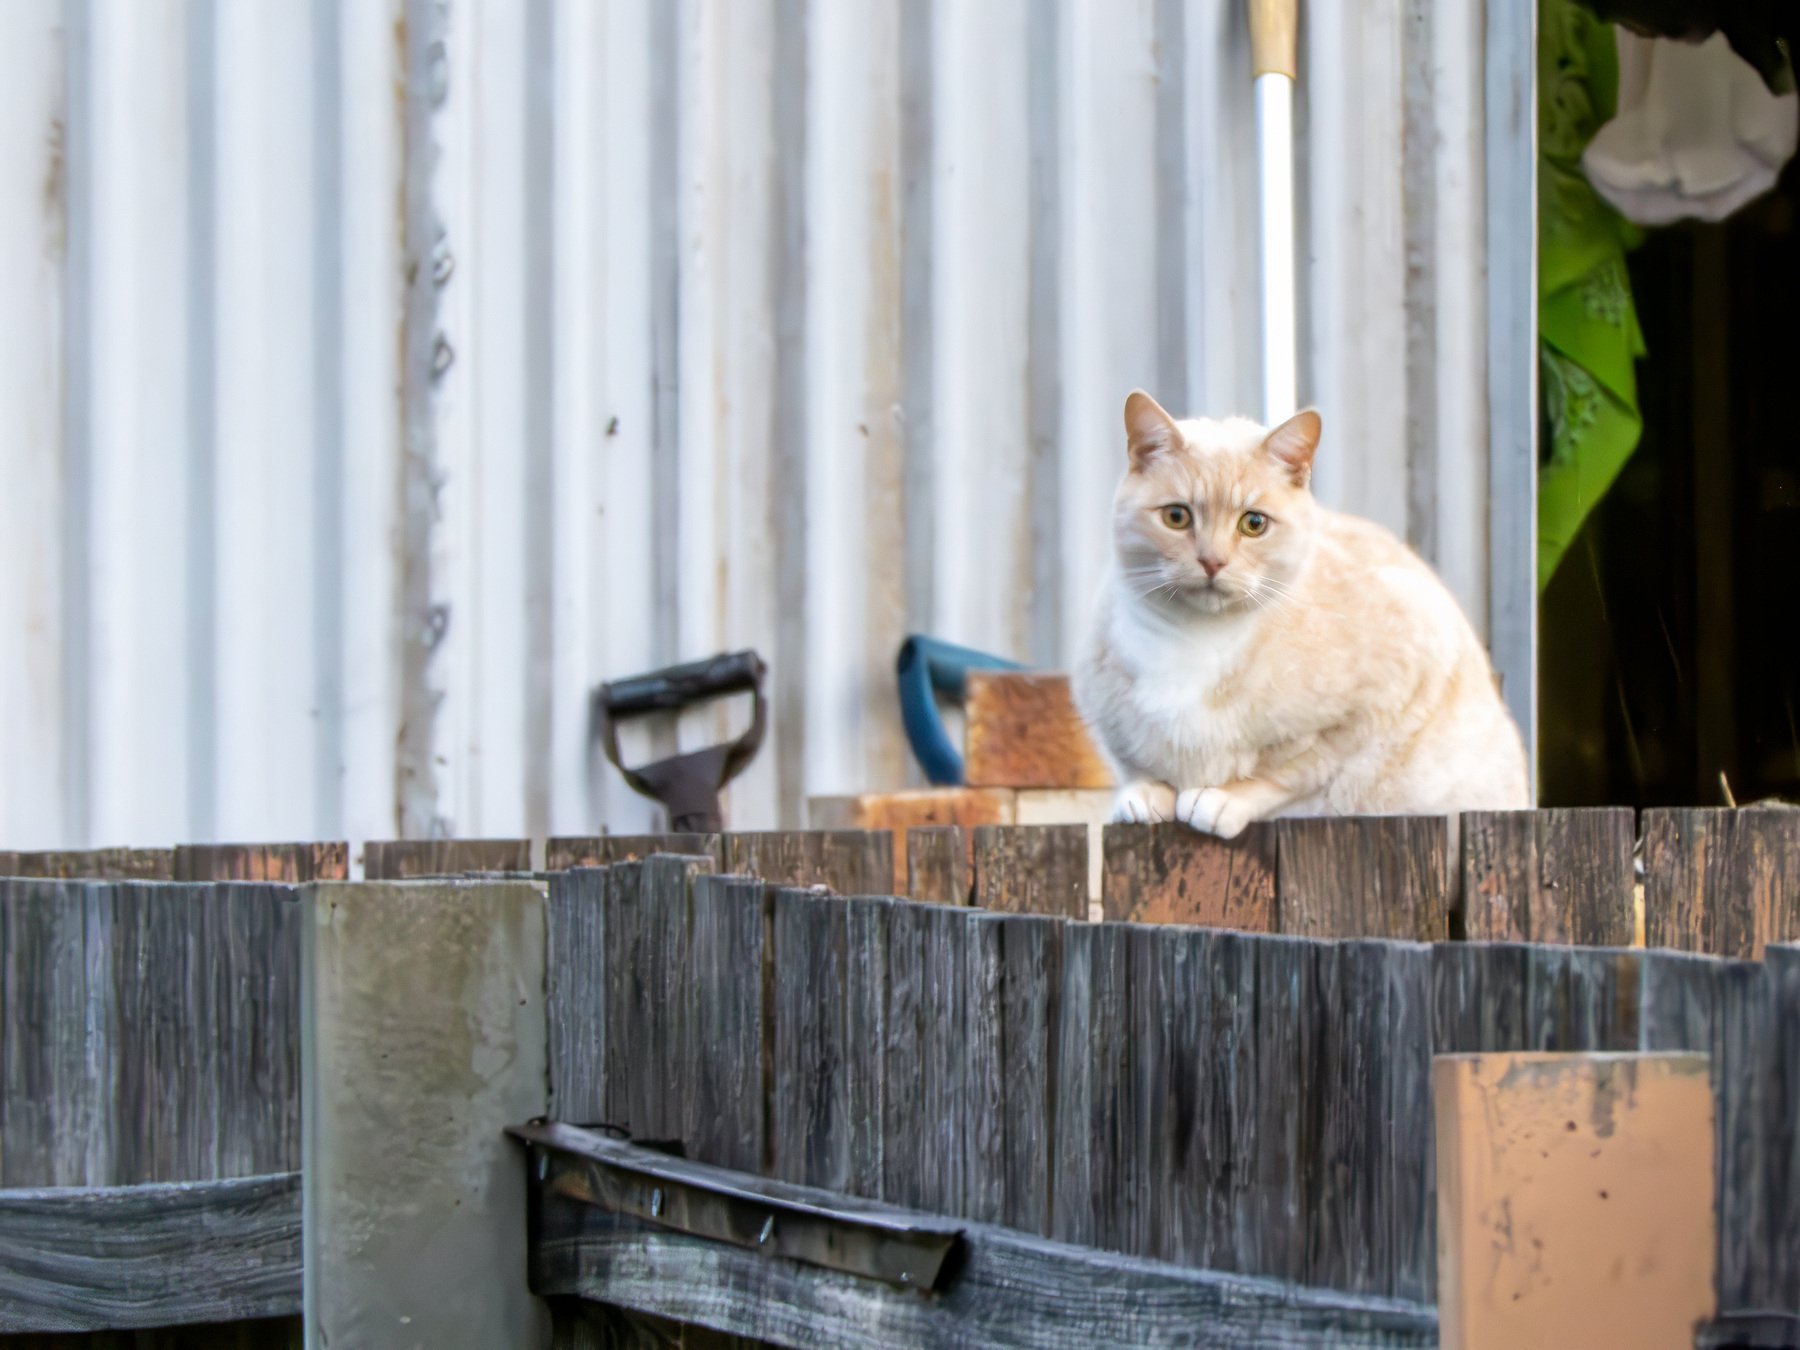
[(1292, 444), (1148, 429)]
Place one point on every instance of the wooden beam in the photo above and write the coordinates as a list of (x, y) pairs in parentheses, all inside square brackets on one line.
[(849, 862), (113, 1258), (1008, 1289), (938, 864)]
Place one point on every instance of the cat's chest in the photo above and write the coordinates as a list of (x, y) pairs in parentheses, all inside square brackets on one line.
[(1185, 680)]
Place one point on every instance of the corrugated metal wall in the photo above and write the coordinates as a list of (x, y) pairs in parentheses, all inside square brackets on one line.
[(376, 376)]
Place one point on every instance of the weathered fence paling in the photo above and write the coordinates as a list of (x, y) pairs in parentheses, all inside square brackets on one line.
[(1234, 1101), (149, 1104)]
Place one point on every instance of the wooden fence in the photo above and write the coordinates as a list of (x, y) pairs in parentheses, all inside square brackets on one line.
[(149, 1104), (1239, 1102), (1231, 1073)]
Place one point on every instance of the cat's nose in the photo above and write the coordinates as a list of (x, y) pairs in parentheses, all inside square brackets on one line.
[(1213, 566)]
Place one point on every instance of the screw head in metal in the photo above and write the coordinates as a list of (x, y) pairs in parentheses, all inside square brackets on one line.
[(768, 1230), (656, 1202)]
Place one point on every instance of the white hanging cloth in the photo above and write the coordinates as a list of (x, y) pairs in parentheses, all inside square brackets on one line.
[(1697, 133)]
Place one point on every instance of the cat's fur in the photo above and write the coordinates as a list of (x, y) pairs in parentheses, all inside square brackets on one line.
[(1319, 669)]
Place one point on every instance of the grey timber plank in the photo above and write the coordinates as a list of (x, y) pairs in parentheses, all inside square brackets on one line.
[(810, 1115), (1032, 869), (76, 1259), (937, 864), (1146, 1183), (1072, 1209), (848, 862), (1363, 876), (942, 1096), (1582, 998), (1031, 974), (1010, 1291), (1408, 1128), (1287, 1129), (1551, 876), (622, 926), (1195, 1119), (983, 1124), (1478, 997), (662, 1071), (1171, 874), (728, 1125), (903, 1145), (1782, 962), (1748, 1177), (866, 924), (575, 999)]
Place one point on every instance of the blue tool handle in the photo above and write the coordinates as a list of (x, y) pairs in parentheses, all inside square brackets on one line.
[(926, 665)]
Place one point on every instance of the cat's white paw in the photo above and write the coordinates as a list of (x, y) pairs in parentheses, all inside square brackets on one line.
[(1212, 811), (1143, 804)]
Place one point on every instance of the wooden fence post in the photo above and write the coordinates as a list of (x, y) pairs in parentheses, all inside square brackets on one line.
[(1171, 874), (1032, 869)]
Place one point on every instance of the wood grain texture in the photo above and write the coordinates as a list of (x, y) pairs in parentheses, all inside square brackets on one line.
[(291, 863), (403, 859), (1363, 876), (1010, 1291), (810, 1110), (1171, 874), (1032, 869), (1783, 965), (1725, 882), (1022, 731), (100, 864), (867, 924), (1552, 876), (76, 1259), (728, 1124), (575, 982), (912, 808), (148, 1032), (940, 864), (1030, 1005), (601, 849), (847, 862)]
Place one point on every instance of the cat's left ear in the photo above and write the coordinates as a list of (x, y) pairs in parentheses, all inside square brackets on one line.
[(1292, 444), (1148, 429)]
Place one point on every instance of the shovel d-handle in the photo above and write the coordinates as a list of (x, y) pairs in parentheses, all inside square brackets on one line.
[(687, 785)]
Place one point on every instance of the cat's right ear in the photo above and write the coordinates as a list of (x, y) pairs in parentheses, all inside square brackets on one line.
[(1148, 429)]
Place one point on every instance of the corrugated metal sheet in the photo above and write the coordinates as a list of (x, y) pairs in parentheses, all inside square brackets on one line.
[(376, 376)]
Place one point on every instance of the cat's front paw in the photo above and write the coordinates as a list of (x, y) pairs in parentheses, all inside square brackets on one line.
[(1143, 804), (1212, 811)]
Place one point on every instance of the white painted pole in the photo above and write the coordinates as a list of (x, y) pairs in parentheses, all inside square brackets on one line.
[(1274, 64)]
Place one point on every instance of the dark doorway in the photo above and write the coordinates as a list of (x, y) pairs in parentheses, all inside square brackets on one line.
[(1669, 648)]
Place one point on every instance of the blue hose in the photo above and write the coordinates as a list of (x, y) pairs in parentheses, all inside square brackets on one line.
[(925, 666)]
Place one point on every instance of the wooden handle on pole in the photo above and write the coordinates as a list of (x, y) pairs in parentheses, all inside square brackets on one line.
[(1274, 25)]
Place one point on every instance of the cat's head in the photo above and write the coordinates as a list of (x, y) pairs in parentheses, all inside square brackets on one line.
[(1213, 516)]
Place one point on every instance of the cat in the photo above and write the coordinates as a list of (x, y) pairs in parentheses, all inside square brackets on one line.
[(1254, 654)]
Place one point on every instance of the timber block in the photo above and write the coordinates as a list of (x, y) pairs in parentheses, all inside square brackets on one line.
[(1575, 1199), (1023, 732), (914, 808)]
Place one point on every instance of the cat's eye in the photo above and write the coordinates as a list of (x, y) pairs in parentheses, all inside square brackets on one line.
[(1253, 523), (1177, 517)]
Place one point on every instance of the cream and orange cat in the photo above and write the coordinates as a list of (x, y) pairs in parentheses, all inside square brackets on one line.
[(1255, 654)]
